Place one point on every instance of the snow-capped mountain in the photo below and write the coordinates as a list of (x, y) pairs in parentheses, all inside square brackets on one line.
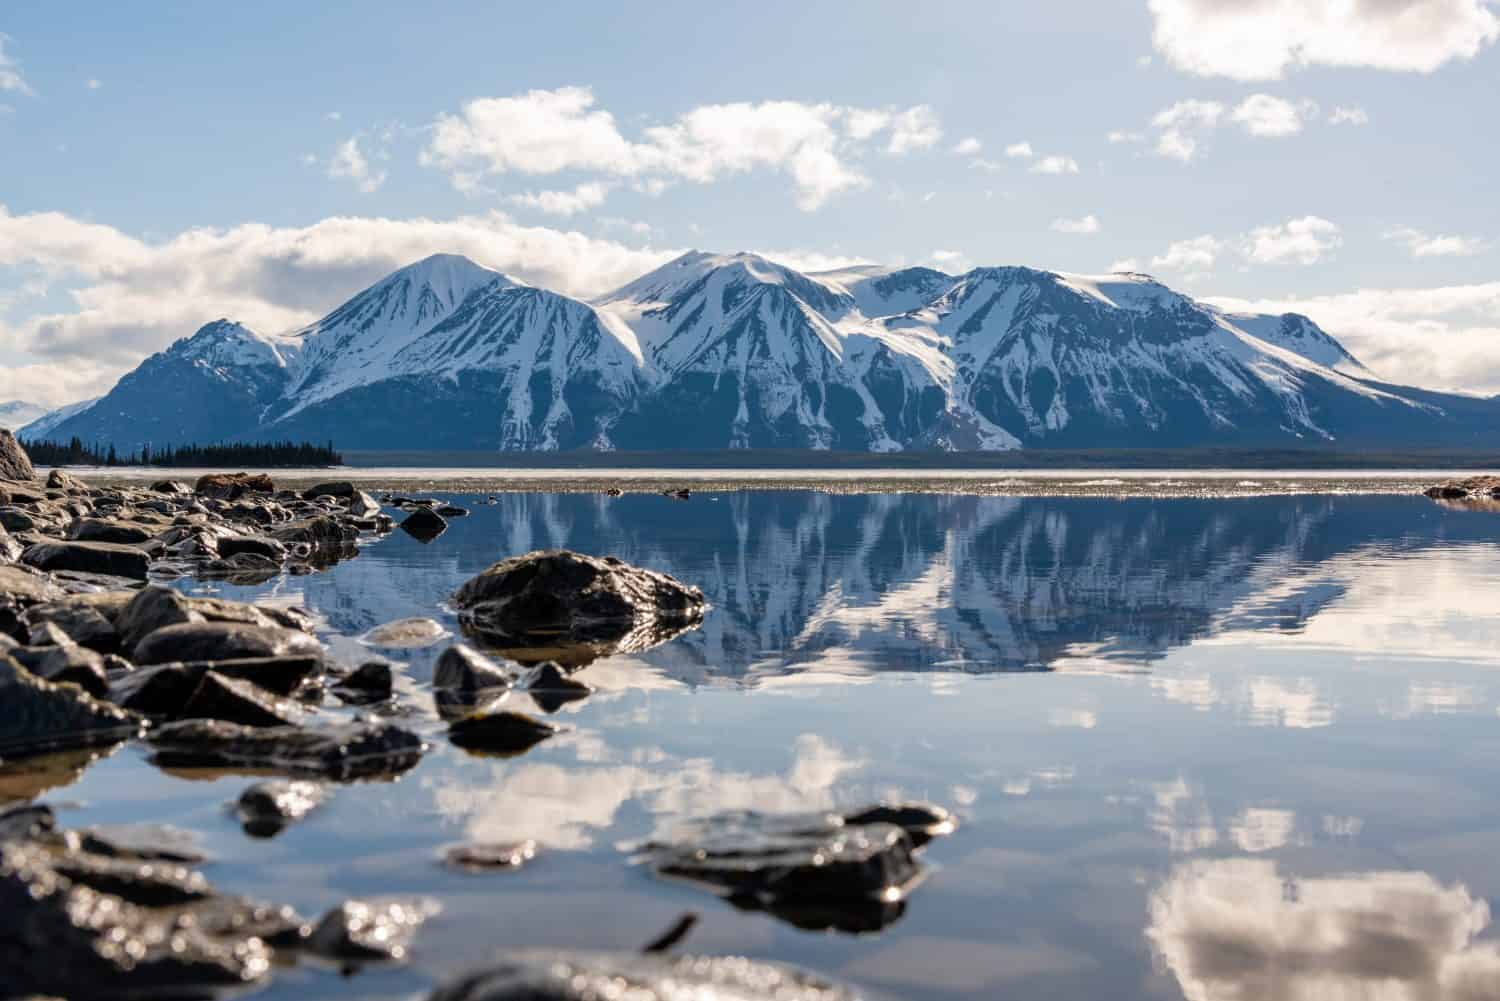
[(16, 414), (40, 429), (735, 351)]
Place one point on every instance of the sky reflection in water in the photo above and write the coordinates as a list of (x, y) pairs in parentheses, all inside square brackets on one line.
[(1213, 749)]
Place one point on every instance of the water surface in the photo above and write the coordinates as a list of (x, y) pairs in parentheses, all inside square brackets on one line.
[(1213, 749)]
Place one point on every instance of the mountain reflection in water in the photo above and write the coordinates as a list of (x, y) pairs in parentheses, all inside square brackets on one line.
[(1214, 750)]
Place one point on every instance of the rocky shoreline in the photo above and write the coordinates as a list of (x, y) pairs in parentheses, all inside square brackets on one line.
[(97, 651)]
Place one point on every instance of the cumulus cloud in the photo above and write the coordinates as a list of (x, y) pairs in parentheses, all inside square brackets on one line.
[(1176, 127), (1302, 241), (1086, 226), (131, 297), (1181, 128), (1422, 244), (1262, 39), (1020, 151), (1055, 165), (350, 163), (1442, 338), (11, 79), (1349, 116), (953, 261), (1241, 929), (968, 146), (1272, 117), (546, 132), (1191, 258), (590, 194)]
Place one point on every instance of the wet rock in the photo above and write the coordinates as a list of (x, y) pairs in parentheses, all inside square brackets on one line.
[(151, 609), (369, 930), (342, 489), (816, 871), (222, 641), (255, 545), (15, 464), (451, 511), (267, 808), (551, 687), (66, 663), (39, 716), (1476, 487), (108, 558), (681, 493), (922, 822), (368, 683), (589, 976), (173, 487), (79, 622), (163, 691), (424, 525), (24, 823), (405, 633), (26, 586), (13, 519), (236, 700), (565, 606), (233, 486), (344, 753), (245, 569), (463, 669), (503, 733), (108, 530), (490, 856), (84, 942), (219, 610), (615, 492), (320, 532)]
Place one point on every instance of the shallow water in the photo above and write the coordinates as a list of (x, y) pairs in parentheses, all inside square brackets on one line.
[(1213, 749)]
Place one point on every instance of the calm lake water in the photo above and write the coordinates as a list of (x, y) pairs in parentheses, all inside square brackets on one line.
[(1214, 749)]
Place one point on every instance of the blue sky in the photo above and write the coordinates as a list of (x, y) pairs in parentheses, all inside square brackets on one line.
[(162, 165)]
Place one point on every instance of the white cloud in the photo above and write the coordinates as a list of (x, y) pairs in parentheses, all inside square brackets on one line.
[(949, 260), (1020, 151), (1272, 117), (1242, 929), (1349, 116), (131, 297), (350, 163), (1262, 39), (1429, 245), (10, 73), (334, 116), (1055, 165), (1124, 264), (92, 84), (1441, 338), (1302, 241), (1087, 226), (545, 132), (968, 146), (590, 194), (1191, 258), (1177, 124), (1122, 136)]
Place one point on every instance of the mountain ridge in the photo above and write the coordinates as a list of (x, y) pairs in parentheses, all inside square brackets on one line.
[(737, 351)]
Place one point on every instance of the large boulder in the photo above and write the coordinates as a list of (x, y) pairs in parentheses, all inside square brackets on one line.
[(109, 558), (565, 606), (233, 486), (15, 464)]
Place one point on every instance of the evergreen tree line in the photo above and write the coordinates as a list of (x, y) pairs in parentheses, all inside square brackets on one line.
[(75, 452)]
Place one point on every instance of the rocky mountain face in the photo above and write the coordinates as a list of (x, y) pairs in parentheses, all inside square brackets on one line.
[(735, 351)]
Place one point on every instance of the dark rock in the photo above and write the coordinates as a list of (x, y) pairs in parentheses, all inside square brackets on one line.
[(233, 486), (13, 519), (1479, 487), (424, 525), (344, 753), (341, 489), (151, 608), (40, 716), (174, 487), (681, 493), (551, 687), (490, 856), (219, 610), (164, 690), (462, 669), (615, 492), (80, 622), (369, 930), (108, 558), (15, 464), (321, 531), (815, 870), (268, 808), (236, 700), (368, 683), (921, 821), (244, 569), (222, 641), (59, 480), (108, 530), (405, 633), (656, 976), (67, 663), (25, 823), (26, 586), (504, 732), (255, 545), (565, 606), (452, 511)]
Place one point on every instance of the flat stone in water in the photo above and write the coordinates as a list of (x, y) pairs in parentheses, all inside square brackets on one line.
[(345, 752), (108, 558), (163, 690), (490, 856), (405, 633), (502, 732), (592, 976)]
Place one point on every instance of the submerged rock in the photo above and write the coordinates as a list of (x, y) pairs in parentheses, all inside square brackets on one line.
[(490, 856), (501, 732), (267, 808), (819, 871), (424, 524), (110, 558), (37, 716), (369, 930), (591, 976), (405, 633), (15, 464), (565, 606), (344, 753)]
